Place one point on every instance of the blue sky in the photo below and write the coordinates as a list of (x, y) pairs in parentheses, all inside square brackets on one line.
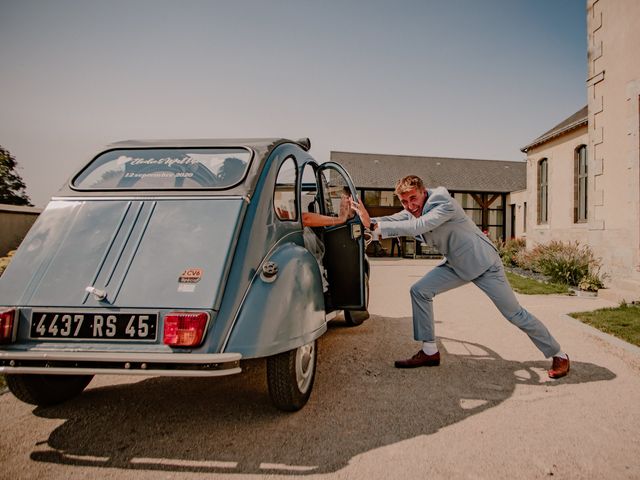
[(458, 78)]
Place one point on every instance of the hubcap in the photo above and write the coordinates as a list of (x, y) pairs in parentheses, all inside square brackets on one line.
[(305, 363)]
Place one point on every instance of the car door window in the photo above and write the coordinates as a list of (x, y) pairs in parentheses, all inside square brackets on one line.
[(334, 187), (309, 191), (284, 195)]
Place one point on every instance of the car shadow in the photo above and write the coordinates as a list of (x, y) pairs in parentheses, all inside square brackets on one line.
[(228, 425)]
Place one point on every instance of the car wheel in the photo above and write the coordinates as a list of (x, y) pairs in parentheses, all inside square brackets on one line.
[(356, 317), (290, 376), (44, 390)]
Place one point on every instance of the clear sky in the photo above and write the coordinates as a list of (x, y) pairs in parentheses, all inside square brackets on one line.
[(456, 78)]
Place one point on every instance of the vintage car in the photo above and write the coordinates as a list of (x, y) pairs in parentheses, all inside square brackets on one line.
[(182, 258)]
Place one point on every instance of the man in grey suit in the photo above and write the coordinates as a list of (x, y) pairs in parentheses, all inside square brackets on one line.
[(435, 218)]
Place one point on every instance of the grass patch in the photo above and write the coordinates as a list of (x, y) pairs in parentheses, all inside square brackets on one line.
[(529, 286), (622, 322), (2, 382)]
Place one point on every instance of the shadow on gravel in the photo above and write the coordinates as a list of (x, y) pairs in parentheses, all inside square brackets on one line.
[(227, 425)]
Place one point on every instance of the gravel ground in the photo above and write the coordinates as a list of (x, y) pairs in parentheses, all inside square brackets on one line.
[(528, 274), (489, 411)]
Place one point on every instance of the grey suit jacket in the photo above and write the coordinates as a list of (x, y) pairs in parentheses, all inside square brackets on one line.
[(445, 225)]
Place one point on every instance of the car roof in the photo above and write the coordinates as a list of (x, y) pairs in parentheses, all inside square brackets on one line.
[(253, 143)]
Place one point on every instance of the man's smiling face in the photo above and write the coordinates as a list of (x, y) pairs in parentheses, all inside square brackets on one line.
[(413, 200)]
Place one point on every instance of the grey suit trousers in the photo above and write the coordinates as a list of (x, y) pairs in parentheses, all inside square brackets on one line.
[(494, 283)]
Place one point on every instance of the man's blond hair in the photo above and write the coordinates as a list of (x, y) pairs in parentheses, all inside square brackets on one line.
[(408, 183)]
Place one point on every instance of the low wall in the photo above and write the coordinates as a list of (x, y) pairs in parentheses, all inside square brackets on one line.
[(15, 222)]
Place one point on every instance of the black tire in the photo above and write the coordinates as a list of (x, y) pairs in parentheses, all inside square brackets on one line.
[(290, 376), (45, 390), (356, 317)]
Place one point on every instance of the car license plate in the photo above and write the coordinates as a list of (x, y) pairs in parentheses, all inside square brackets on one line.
[(94, 326)]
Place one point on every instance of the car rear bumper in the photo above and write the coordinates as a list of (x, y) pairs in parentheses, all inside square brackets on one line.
[(119, 363)]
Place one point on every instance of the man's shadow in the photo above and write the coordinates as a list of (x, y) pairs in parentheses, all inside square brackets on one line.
[(227, 425)]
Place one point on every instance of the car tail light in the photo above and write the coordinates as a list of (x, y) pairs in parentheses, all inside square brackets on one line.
[(7, 319), (184, 329)]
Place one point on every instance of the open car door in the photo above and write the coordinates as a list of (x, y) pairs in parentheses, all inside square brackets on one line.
[(344, 257)]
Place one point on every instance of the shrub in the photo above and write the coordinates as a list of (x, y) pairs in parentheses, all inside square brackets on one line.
[(525, 260), (590, 283), (562, 262), (4, 261), (509, 250)]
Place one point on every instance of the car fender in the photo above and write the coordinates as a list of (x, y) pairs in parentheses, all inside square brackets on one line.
[(282, 312)]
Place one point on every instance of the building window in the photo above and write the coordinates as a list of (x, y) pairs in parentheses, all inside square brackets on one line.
[(471, 206), (372, 198), (524, 218), (543, 191), (389, 199), (381, 198), (487, 210), (580, 185), (494, 217), (284, 195), (512, 220)]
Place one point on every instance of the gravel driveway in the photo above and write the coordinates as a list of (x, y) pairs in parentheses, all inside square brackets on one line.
[(488, 412)]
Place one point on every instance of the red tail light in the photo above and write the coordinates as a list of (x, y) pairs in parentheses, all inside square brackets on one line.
[(7, 319), (184, 329)]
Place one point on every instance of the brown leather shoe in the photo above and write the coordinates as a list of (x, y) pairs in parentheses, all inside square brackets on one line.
[(560, 367), (420, 359)]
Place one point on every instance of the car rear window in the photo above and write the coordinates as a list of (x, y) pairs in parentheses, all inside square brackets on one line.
[(165, 169)]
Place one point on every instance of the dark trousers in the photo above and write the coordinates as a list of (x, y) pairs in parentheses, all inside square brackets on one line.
[(395, 242)]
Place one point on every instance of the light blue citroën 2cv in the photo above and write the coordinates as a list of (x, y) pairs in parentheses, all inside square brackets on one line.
[(182, 258)]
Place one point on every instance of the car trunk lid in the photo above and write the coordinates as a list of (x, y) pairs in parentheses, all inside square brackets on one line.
[(160, 253)]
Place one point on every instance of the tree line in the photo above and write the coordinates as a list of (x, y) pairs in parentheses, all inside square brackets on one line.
[(12, 187)]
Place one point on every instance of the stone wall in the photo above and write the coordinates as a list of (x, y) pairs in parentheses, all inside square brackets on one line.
[(561, 225), (613, 89), (15, 222)]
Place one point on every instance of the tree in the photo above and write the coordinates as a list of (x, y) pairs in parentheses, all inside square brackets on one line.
[(12, 187)]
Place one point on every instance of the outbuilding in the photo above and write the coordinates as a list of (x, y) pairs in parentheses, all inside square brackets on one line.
[(482, 187)]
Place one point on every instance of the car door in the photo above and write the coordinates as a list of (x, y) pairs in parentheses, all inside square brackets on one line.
[(344, 244)]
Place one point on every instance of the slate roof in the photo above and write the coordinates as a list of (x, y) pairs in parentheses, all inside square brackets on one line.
[(376, 171), (576, 120)]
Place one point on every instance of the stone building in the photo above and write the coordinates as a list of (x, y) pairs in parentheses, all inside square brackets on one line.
[(583, 176), (555, 203)]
